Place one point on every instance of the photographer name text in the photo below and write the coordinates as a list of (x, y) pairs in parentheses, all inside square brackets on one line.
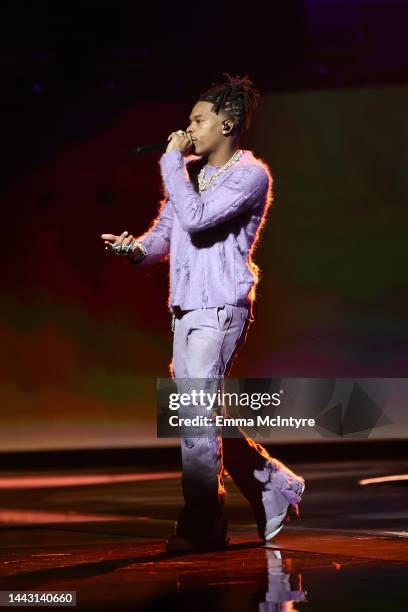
[(221, 421)]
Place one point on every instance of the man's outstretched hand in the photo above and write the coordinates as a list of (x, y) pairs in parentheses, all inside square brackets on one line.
[(112, 241), (117, 245)]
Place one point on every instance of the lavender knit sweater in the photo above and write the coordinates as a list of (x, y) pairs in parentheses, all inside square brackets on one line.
[(211, 236)]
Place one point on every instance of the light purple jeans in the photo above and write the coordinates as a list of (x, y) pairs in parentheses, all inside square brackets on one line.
[(205, 345)]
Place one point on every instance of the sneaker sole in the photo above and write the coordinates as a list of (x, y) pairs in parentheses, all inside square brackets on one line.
[(273, 533)]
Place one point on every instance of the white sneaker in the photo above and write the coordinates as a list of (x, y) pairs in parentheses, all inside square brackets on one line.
[(281, 488)]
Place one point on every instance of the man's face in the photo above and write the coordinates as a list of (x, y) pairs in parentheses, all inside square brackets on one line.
[(205, 128)]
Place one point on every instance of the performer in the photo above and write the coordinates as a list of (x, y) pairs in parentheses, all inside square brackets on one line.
[(209, 225)]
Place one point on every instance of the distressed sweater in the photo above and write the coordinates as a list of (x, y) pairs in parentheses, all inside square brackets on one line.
[(209, 237)]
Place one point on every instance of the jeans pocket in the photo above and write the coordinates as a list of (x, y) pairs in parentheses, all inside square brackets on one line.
[(219, 315), (224, 315)]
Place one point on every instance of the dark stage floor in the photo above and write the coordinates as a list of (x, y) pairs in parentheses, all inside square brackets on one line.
[(101, 533)]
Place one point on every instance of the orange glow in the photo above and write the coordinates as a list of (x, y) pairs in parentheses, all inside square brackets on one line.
[(381, 479), (37, 517), (38, 482)]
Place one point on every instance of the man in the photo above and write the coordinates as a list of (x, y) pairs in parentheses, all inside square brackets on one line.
[(209, 223)]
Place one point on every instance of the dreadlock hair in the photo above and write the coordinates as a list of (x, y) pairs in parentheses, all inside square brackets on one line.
[(237, 98)]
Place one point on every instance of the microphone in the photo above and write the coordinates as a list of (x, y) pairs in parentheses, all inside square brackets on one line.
[(149, 148)]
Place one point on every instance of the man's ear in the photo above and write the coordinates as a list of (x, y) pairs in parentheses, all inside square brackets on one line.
[(227, 126)]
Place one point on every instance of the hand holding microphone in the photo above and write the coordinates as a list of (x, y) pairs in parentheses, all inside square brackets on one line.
[(159, 147), (179, 140)]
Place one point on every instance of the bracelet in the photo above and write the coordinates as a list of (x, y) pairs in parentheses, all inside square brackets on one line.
[(141, 254)]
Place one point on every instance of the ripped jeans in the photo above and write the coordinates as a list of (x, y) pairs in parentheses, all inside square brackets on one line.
[(205, 344)]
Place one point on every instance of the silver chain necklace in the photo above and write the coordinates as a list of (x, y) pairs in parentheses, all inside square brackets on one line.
[(203, 185)]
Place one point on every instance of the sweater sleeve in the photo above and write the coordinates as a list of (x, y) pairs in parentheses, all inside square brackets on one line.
[(246, 186), (157, 238)]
